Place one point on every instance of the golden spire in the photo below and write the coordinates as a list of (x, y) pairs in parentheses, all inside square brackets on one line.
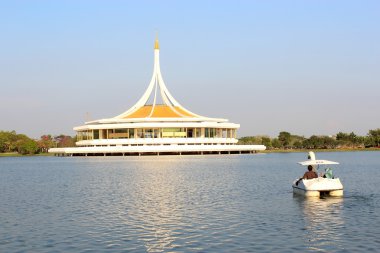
[(156, 44)]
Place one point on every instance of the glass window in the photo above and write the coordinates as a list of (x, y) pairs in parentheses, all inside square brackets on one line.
[(121, 133), (80, 136), (156, 133), (140, 133), (210, 132), (148, 133), (173, 133), (190, 133), (103, 134), (229, 133), (89, 134), (131, 133), (96, 134), (109, 133), (197, 132), (121, 130)]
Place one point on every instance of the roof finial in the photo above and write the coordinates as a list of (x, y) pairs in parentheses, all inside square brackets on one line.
[(156, 44)]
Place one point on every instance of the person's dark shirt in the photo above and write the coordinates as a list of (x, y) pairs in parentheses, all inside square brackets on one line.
[(310, 175)]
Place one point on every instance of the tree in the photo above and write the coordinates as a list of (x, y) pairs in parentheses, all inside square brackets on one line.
[(276, 143), (320, 142), (8, 141), (27, 147), (296, 141), (341, 136), (298, 144), (284, 139), (250, 140), (24, 145), (45, 143), (64, 141), (266, 142), (350, 140), (3, 142), (374, 136)]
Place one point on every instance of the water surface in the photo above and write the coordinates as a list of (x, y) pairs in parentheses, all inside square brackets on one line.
[(185, 204)]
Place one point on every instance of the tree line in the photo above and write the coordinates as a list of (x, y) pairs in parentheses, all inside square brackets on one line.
[(286, 140), (11, 142)]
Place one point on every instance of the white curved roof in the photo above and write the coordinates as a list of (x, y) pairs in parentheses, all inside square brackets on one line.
[(169, 111), (156, 90)]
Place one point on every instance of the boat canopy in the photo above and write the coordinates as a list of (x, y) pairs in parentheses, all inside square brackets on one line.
[(317, 162)]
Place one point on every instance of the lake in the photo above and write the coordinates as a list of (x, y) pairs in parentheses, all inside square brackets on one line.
[(236, 203)]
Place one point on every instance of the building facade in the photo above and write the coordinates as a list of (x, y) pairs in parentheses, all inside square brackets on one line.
[(157, 125)]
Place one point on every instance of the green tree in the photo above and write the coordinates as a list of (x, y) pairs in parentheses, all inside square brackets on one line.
[(298, 144), (296, 141), (374, 136), (284, 139), (8, 141), (27, 147), (350, 140), (276, 144), (3, 141), (267, 142), (250, 140), (320, 142), (368, 142), (24, 145), (341, 136)]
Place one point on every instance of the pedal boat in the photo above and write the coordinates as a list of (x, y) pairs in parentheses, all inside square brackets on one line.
[(325, 185)]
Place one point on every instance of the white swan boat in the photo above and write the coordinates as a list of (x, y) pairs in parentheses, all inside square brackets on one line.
[(323, 185)]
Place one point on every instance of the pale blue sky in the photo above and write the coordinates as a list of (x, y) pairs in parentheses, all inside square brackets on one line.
[(306, 67)]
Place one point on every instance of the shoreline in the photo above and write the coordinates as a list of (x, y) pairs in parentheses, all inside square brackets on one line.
[(21, 155), (319, 150), (264, 151)]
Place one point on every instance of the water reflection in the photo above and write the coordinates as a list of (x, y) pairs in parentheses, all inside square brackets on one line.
[(182, 204), (157, 209), (174, 207), (323, 222)]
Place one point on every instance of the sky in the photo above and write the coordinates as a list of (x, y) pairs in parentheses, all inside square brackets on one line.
[(305, 67)]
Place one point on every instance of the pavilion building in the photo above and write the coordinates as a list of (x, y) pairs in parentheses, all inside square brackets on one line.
[(157, 125)]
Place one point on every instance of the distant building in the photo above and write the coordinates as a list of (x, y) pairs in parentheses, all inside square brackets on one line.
[(157, 125)]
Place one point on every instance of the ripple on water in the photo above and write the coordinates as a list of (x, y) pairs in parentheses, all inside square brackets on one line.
[(181, 204)]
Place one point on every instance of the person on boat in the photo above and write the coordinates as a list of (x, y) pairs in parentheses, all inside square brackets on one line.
[(310, 174)]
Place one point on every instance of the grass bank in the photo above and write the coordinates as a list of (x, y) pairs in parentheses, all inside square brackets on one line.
[(15, 154), (319, 150)]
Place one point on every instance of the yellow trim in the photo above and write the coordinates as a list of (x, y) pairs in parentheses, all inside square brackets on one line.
[(156, 44), (159, 111)]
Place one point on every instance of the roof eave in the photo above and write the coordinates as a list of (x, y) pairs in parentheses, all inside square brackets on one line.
[(152, 119)]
